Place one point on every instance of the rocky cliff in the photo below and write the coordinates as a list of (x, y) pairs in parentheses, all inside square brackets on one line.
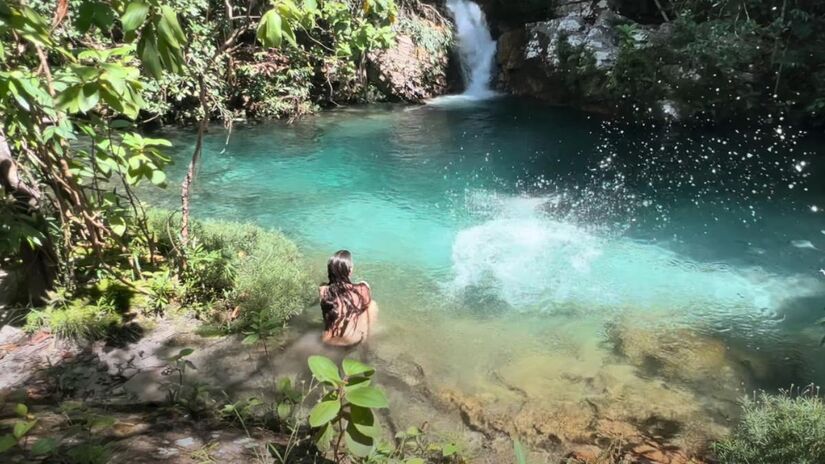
[(416, 67), (571, 57), (663, 59)]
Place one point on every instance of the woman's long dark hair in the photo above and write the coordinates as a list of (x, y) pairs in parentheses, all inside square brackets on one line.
[(337, 302)]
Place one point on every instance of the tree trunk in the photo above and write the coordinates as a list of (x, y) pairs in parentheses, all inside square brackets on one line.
[(39, 262), (186, 187)]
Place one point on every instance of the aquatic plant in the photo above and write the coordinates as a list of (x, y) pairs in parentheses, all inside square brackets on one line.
[(787, 428)]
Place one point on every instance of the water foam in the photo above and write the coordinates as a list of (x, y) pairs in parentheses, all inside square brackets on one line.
[(534, 261)]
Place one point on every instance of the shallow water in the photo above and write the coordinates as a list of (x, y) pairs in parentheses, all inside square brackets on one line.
[(514, 247)]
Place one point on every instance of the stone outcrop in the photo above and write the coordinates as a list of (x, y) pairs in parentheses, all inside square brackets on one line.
[(568, 59), (537, 61), (416, 67)]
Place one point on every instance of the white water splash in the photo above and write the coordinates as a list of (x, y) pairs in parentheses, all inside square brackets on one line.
[(531, 260), (476, 48)]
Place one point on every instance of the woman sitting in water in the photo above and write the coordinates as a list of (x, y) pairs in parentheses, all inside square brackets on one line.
[(348, 309)]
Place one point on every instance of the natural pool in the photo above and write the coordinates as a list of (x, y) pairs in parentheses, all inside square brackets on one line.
[(546, 272)]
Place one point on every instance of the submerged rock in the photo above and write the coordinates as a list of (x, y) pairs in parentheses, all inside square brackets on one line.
[(676, 354)]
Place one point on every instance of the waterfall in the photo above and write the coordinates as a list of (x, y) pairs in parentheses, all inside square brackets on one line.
[(476, 47)]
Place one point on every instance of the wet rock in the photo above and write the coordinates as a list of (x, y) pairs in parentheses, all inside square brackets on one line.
[(675, 354), (416, 68), (533, 60)]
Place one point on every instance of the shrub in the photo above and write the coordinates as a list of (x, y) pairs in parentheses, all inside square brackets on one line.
[(782, 428), (269, 278), (259, 271), (76, 319)]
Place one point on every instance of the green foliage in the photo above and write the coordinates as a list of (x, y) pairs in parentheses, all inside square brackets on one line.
[(348, 405), (66, 106), (578, 66), (21, 427), (257, 273), (75, 318), (518, 449), (783, 428), (724, 59)]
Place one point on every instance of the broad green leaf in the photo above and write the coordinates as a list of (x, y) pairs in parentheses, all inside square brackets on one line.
[(364, 421), (284, 410), (88, 97), (368, 397), (353, 368), (357, 382), (172, 21), (185, 352), (324, 412), (323, 437), (415, 461), (358, 444), (104, 16), (45, 445), (148, 51), (134, 16), (324, 370), (171, 57), (289, 35), (6, 443), (251, 339), (21, 410), (284, 385), (118, 225), (21, 428), (449, 449), (269, 29), (84, 17)]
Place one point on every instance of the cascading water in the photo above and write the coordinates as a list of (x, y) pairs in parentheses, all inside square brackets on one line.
[(476, 47)]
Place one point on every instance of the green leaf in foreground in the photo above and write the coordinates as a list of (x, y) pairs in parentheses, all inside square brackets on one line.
[(368, 397), (359, 444), (134, 16), (6, 443), (353, 368), (324, 412), (324, 370), (22, 428), (364, 421), (45, 445)]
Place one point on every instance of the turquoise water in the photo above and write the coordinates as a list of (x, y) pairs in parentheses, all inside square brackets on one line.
[(506, 215)]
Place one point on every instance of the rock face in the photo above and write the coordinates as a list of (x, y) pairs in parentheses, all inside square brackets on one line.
[(570, 58), (545, 59), (416, 68)]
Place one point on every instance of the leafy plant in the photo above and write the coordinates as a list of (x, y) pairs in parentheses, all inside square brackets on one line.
[(20, 428), (787, 428), (346, 411), (193, 396), (75, 318)]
